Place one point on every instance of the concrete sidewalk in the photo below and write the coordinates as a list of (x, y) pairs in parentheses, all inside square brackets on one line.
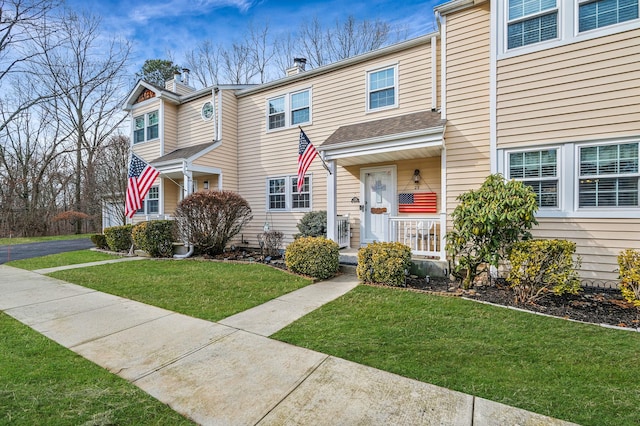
[(230, 373)]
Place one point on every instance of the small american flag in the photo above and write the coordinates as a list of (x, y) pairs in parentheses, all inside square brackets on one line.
[(306, 153), (419, 202), (141, 177)]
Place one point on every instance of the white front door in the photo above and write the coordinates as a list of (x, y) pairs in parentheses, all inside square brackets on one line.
[(378, 189)]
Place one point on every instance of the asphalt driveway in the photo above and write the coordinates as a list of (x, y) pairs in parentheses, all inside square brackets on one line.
[(27, 251)]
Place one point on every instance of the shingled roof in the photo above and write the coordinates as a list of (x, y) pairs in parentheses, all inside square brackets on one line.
[(183, 153), (385, 127)]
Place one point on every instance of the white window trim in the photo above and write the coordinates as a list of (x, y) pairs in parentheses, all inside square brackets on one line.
[(288, 110), (559, 175), (144, 209), (289, 194), (599, 32), (213, 109), (631, 211), (146, 126), (568, 176), (557, 10), (567, 30), (396, 103)]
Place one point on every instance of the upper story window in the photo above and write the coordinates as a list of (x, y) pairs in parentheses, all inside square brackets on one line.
[(283, 195), (207, 111), (531, 21), (538, 170), (382, 88), (608, 175), (602, 13), (289, 110), (145, 127)]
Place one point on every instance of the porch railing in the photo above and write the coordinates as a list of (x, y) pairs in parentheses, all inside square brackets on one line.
[(344, 231), (423, 234)]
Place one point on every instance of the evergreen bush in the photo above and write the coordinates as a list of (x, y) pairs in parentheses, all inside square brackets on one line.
[(100, 241), (486, 223), (313, 224), (155, 237), (540, 266), (629, 263), (385, 263), (119, 237), (317, 257)]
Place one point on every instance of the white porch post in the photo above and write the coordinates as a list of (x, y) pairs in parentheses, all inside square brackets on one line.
[(332, 208)]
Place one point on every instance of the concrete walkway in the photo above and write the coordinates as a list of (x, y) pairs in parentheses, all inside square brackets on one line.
[(230, 373)]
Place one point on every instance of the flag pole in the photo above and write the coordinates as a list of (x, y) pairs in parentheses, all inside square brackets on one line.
[(321, 159)]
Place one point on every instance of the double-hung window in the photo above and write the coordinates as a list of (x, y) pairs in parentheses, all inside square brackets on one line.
[(151, 204), (608, 175), (145, 127), (601, 13), (538, 170), (531, 21), (382, 89), (283, 194), (289, 110)]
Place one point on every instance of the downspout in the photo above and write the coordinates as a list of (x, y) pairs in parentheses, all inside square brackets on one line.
[(187, 254)]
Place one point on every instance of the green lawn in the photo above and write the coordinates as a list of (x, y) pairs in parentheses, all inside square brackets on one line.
[(61, 259), (23, 240), (42, 383), (581, 373), (202, 289)]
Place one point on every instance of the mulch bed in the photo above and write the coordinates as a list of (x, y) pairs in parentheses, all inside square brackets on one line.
[(592, 305)]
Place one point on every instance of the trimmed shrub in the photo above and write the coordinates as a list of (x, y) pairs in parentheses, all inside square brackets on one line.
[(119, 237), (629, 263), (540, 266), (313, 224), (385, 263), (317, 257), (100, 241), (485, 225), (210, 219), (273, 242), (155, 237)]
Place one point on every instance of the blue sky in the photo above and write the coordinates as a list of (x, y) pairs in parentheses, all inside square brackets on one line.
[(179, 25)]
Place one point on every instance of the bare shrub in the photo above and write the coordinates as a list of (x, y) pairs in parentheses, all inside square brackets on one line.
[(210, 219)]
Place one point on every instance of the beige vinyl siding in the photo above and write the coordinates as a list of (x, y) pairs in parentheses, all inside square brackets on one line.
[(193, 130), (225, 155), (171, 196), (586, 91), (598, 242), (181, 89), (467, 101), (148, 151), (151, 150), (581, 91), (170, 127), (338, 98)]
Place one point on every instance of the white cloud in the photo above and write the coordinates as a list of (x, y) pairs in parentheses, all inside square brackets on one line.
[(180, 8)]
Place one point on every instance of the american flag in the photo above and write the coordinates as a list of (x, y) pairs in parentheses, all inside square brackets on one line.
[(306, 153), (419, 202), (141, 177)]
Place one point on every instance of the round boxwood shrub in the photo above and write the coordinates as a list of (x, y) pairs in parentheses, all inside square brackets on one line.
[(119, 237), (155, 237), (100, 241), (384, 263), (317, 257)]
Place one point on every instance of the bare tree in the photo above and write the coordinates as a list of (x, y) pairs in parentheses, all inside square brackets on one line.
[(261, 50), (33, 158), (236, 64), (313, 40), (21, 23), (89, 73), (111, 171), (204, 62), (351, 38)]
